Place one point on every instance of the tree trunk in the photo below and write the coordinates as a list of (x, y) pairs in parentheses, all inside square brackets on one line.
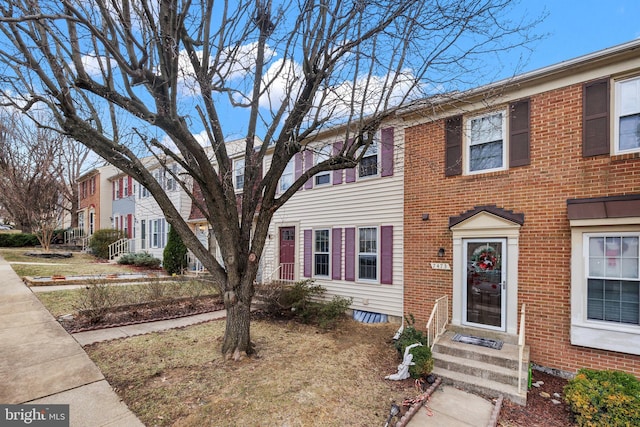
[(237, 337)]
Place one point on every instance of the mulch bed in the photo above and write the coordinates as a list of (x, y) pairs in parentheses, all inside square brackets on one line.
[(141, 313), (540, 410)]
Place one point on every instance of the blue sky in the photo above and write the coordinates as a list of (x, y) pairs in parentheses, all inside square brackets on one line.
[(577, 28)]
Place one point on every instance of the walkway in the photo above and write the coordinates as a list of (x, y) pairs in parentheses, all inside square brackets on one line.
[(40, 363)]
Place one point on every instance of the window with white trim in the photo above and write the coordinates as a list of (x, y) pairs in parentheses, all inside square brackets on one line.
[(286, 180), (485, 143), (155, 233), (627, 116), (323, 154), (125, 186), (238, 174), (170, 180), (612, 278), (368, 253), (321, 253), (116, 189), (368, 166)]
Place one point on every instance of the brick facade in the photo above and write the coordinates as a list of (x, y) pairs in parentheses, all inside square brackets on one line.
[(557, 172)]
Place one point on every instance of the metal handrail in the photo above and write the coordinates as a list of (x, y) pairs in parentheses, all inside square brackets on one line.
[(438, 320), (521, 342)]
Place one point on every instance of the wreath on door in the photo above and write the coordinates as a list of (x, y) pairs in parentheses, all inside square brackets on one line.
[(485, 258)]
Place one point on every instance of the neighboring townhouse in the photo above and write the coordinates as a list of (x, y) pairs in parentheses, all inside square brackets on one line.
[(344, 228), (150, 224), (527, 191), (123, 206), (94, 192)]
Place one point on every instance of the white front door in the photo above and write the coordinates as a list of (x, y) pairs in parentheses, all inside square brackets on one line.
[(484, 283)]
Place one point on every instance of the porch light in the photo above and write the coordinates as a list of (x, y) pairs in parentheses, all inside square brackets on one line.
[(441, 252)]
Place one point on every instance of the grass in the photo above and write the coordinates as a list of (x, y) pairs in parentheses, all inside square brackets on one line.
[(300, 377), (68, 301), (79, 264)]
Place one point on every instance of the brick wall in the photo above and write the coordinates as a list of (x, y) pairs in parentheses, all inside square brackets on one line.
[(540, 190)]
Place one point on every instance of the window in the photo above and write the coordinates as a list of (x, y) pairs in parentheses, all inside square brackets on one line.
[(323, 177), (92, 223), (286, 180), (486, 148), (81, 221), (143, 234), (321, 253), (368, 253), (93, 185), (171, 181), (368, 166), (613, 281), (238, 174), (125, 186), (155, 233), (116, 189), (627, 116)]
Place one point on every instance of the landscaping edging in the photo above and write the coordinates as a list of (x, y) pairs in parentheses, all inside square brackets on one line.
[(422, 398)]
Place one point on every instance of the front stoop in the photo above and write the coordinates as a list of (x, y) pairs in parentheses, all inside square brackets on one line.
[(479, 369)]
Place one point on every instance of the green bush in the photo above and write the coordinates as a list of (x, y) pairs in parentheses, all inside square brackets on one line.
[(101, 239), (18, 240), (332, 312), (140, 259), (174, 257), (599, 398), (410, 335), (423, 362), (302, 301)]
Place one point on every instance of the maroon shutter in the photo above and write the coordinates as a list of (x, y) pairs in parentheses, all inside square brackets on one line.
[(120, 189), (595, 118), (453, 149), (129, 226), (130, 191), (386, 152), (350, 254), (350, 174), (308, 164), (519, 133), (307, 253), (386, 254), (337, 175), (336, 253)]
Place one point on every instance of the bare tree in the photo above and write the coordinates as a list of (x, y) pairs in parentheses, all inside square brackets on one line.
[(30, 176), (73, 157), (287, 69)]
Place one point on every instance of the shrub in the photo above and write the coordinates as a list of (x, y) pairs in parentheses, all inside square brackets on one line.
[(101, 239), (95, 300), (410, 335), (302, 301), (174, 256), (18, 240), (423, 361), (598, 398), (140, 259), (332, 312)]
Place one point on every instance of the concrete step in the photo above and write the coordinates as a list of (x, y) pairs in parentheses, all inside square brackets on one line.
[(483, 387), (507, 357), (480, 369)]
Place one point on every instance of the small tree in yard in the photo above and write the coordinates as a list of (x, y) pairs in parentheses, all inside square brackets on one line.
[(134, 78), (174, 257)]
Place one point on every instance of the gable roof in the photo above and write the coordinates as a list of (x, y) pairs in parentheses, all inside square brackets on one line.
[(517, 218)]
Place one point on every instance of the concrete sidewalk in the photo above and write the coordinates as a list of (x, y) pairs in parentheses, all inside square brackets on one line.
[(40, 363), (450, 407)]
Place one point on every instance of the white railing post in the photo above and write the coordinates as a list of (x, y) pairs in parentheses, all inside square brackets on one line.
[(521, 343), (438, 320), (118, 247)]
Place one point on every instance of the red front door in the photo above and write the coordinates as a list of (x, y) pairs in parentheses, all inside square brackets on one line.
[(287, 253)]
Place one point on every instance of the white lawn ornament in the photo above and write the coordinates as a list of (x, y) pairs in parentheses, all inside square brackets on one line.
[(399, 332), (403, 368)]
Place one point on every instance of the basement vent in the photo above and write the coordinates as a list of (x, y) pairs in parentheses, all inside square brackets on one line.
[(368, 317)]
